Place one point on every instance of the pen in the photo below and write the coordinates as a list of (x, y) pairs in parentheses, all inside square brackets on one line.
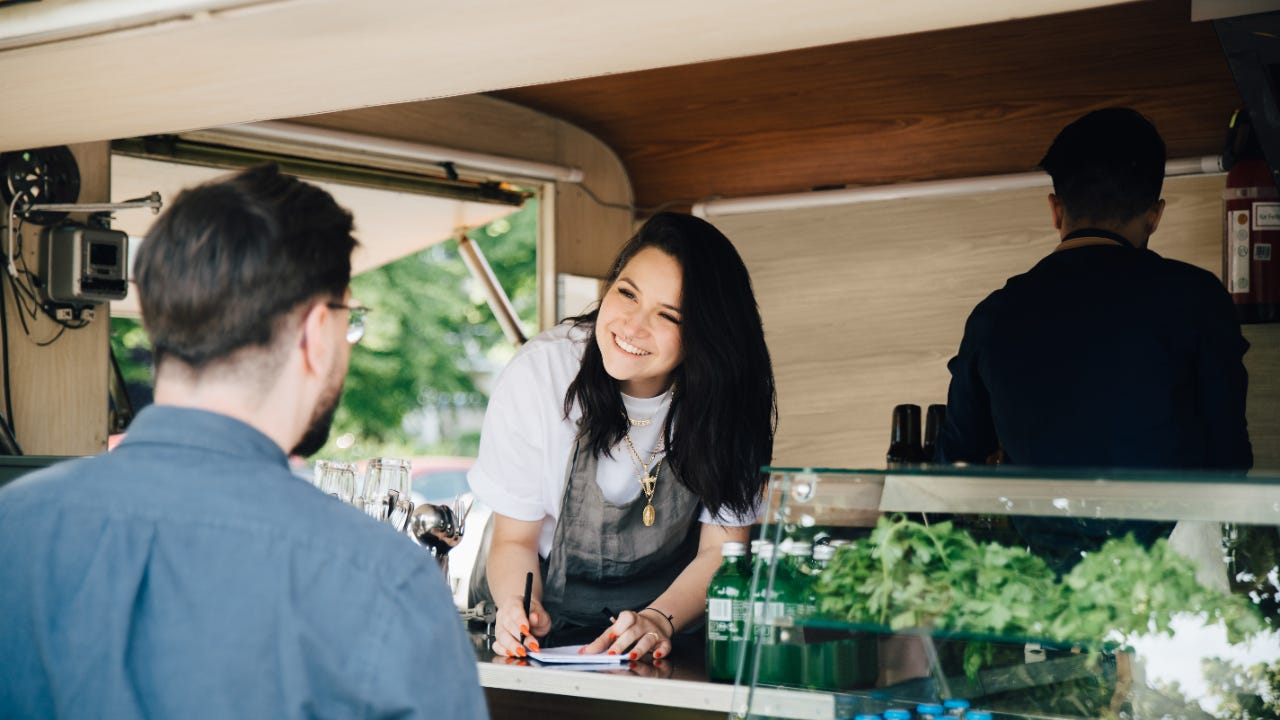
[(528, 595)]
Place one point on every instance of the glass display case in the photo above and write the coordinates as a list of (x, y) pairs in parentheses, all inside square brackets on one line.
[(1025, 593)]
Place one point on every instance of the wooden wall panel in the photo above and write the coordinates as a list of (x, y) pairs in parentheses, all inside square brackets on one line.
[(60, 391), (864, 305), (962, 102)]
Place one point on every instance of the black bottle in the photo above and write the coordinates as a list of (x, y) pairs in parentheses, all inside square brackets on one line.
[(904, 440), (933, 419)]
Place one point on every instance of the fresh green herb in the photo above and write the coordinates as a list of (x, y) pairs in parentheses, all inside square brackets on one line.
[(908, 575)]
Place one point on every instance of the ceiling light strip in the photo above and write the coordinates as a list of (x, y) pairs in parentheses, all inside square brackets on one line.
[(176, 150), (298, 139), (1207, 164)]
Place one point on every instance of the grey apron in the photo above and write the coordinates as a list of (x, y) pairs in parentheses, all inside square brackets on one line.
[(603, 556)]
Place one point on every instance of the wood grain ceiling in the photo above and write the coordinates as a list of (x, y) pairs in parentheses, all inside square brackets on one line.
[(963, 102)]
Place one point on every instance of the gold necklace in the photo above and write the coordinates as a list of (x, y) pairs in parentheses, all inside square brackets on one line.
[(646, 422), (648, 479)]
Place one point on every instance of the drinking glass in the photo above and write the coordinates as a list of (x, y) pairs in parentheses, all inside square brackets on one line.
[(386, 489), (318, 471), (339, 480)]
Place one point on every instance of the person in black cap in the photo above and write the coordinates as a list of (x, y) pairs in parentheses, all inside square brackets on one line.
[(1104, 354)]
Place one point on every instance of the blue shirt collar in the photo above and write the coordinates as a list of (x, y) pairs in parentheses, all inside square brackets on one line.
[(189, 427)]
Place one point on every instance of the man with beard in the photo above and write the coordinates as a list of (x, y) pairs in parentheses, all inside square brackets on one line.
[(189, 573)]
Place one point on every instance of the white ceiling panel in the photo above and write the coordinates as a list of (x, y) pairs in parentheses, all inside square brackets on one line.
[(202, 64)]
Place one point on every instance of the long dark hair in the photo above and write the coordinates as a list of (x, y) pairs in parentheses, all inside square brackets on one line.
[(719, 431)]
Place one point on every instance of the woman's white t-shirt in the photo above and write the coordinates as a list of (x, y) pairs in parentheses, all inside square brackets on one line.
[(526, 440)]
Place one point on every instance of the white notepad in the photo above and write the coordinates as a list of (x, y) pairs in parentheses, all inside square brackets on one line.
[(568, 654)]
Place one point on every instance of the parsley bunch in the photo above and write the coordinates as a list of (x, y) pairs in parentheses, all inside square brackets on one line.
[(908, 575)]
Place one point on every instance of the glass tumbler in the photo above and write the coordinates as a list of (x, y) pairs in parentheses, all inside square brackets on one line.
[(386, 485), (339, 480)]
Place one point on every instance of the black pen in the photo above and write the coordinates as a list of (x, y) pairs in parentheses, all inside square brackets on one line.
[(528, 595)]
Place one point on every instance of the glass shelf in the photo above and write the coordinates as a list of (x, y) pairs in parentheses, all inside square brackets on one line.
[(1126, 583)]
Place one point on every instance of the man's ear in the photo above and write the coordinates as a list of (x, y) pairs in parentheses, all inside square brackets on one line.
[(1057, 210), (317, 354), (1154, 215)]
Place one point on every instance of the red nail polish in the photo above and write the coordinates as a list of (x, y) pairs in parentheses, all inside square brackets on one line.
[(524, 629), (613, 652), (657, 654), (509, 654), (533, 645), (521, 651), (633, 656), (613, 636)]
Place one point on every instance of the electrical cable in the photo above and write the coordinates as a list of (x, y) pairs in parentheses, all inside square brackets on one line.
[(642, 210), (54, 339), (4, 355)]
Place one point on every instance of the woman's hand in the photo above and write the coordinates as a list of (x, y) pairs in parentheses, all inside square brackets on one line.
[(513, 560), (511, 623), (634, 634)]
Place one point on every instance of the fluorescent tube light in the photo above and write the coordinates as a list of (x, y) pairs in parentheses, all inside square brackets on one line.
[(293, 139), (933, 188)]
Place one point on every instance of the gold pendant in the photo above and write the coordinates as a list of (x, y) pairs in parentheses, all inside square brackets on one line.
[(647, 484), (648, 515)]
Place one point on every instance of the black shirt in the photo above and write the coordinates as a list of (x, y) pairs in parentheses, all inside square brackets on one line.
[(1102, 356)]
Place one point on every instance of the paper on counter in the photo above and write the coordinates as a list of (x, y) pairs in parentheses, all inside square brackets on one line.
[(568, 654)]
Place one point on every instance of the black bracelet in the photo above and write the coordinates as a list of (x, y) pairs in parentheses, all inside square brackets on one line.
[(670, 618)]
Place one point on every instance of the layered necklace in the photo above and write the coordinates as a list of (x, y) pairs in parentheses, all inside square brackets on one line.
[(648, 471), (648, 479)]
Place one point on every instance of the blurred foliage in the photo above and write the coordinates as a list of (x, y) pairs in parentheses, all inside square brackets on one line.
[(430, 337), (1245, 693), (1254, 554)]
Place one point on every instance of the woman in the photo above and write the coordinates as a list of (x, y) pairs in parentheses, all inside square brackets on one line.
[(623, 447)]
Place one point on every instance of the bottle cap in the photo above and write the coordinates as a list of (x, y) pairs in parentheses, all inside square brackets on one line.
[(897, 714), (733, 549), (800, 549), (823, 552), (955, 703), (928, 709)]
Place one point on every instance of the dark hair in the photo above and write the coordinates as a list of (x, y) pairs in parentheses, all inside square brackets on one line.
[(230, 258), (1108, 166), (719, 431)]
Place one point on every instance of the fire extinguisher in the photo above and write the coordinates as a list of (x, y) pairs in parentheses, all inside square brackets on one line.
[(1251, 232)]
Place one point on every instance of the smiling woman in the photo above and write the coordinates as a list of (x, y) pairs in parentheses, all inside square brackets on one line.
[(638, 325), (622, 448)]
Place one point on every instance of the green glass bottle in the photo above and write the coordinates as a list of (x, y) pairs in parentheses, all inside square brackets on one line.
[(818, 662), (837, 659), (795, 593), (766, 613), (727, 605), (800, 598)]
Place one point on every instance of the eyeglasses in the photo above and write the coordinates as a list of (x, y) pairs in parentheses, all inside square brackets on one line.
[(355, 319)]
